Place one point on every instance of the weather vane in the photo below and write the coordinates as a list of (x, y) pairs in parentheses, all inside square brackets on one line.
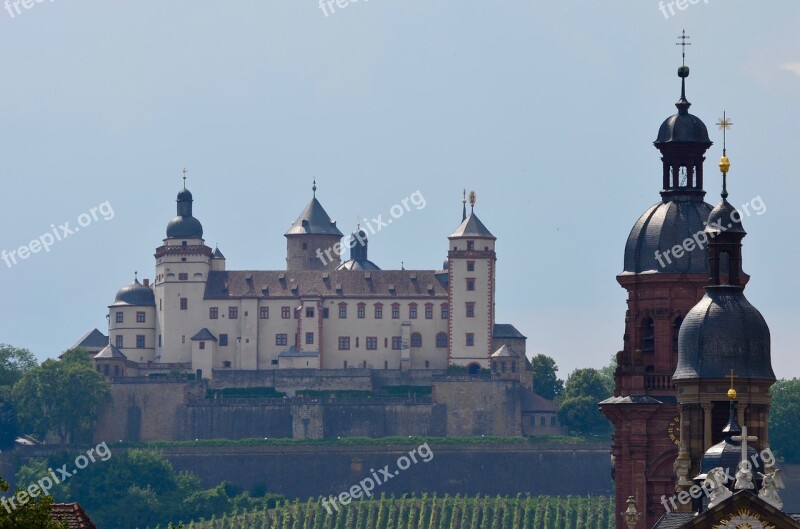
[(724, 124), (185, 172), (684, 37)]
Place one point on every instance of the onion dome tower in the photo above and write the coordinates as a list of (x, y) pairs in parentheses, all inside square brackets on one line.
[(722, 337), (358, 253), (313, 240), (184, 225), (664, 279)]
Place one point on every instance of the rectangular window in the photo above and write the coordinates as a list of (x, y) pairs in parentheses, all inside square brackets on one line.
[(470, 266), (140, 317), (159, 340), (552, 420), (281, 339), (445, 311), (470, 339), (342, 311), (395, 312), (362, 311), (309, 338), (372, 343), (309, 312), (213, 313), (202, 345), (120, 317), (412, 311), (184, 303), (397, 343), (470, 283), (119, 341), (428, 311), (183, 276), (325, 313), (470, 310), (140, 341), (542, 420), (233, 313), (264, 313), (183, 339), (344, 343), (378, 312), (286, 313), (470, 246), (532, 420), (223, 340)]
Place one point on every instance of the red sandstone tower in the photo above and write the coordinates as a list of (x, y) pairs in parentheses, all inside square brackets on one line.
[(665, 272)]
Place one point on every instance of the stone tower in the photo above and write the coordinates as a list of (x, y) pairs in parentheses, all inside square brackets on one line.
[(471, 262), (313, 241)]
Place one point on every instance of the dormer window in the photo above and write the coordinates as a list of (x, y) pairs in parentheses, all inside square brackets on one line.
[(184, 243)]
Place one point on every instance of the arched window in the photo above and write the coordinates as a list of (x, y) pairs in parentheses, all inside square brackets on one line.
[(647, 334), (441, 339), (473, 368), (416, 339), (724, 268)]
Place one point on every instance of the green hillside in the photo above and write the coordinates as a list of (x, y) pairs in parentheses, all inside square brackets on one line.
[(430, 512)]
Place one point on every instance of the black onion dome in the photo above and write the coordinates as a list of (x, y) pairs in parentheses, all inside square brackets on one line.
[(184, 194), (663, 226), (184, 227), (135, 294), (683, 128), (728, 453), (724, 217), (723, 332)]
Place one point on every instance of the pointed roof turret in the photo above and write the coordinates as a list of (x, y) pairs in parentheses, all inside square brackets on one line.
[(471, 226), (314, 220)]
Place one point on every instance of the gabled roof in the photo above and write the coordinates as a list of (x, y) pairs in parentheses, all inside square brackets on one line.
[(203, 335), (93, 341), (314, 221), (73, 515), (281, 284), (743, 504), (109, 351), (472, 227), (506, 330)]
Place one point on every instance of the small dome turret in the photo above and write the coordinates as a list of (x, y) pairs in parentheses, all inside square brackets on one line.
[(184, 225), (135, 294)]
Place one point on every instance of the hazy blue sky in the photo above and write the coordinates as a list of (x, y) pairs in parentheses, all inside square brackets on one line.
[(547, 110)]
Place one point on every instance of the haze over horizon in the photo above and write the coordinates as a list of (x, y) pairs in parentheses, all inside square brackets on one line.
[(547, 110)]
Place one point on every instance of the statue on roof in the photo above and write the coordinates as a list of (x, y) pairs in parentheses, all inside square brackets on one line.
[(715, 484), (772, 481)]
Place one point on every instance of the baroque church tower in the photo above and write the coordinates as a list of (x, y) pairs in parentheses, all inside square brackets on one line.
[(664, 276)]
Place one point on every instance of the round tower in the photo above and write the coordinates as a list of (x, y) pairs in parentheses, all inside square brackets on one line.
[(313, 242), (132, 322), (183, 263)]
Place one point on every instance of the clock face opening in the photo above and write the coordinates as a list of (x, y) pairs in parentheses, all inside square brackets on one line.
[(674, 431)]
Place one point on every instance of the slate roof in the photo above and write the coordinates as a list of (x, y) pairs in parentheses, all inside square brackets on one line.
[(505, 352), (93, 341), (109, 351), (532, 402), (74, 516), (294, 353), (279, 284), (632, 399), (135, 294), (314, 221), (358, 264), (506, 330), (673, 520), (662, 227), (472, 227), (204, 334)]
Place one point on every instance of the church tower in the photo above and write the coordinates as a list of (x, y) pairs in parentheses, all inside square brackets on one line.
[(722, 339), (664, 276), (313, 242), (183, 262)]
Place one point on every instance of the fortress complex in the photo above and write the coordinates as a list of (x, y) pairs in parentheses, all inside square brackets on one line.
[(320, 314)]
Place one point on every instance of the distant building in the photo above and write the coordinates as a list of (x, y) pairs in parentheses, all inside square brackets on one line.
[(319, 313), (72, 515)]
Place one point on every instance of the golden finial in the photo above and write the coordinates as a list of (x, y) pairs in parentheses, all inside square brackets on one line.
[(724, 124), (472, 198), (732, 392)]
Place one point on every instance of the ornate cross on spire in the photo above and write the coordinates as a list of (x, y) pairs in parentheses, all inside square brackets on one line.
[(724, 164), (744, 438), (724, 123), (684, 37), (185, 172), (314, 188)]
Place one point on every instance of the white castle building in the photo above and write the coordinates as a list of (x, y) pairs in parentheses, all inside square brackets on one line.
[(317, 314)]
